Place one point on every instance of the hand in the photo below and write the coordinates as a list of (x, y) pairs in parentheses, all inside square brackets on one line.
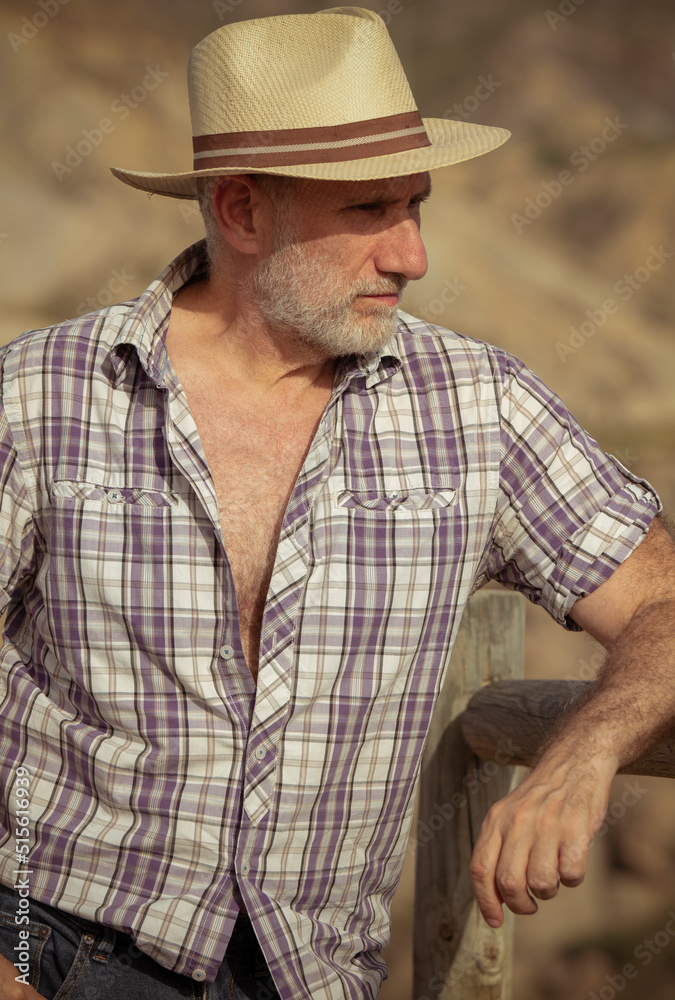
[(9, 988), (539, 835)]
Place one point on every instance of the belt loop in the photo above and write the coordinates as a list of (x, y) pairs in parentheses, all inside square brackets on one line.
[(104, 944)]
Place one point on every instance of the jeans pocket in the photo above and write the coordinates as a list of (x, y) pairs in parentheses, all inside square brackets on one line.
[(23, 944), (51, 946)]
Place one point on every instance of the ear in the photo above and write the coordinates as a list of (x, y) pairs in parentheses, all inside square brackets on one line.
[(239, 207)]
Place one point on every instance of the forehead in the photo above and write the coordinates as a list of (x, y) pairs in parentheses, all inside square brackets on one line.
[(388, 189)]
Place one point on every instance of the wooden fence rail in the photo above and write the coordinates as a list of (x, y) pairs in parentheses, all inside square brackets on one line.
[(522, 714), (487, 720)]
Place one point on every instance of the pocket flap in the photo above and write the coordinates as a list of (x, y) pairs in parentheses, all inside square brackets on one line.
[(69, 489), (393, 500)]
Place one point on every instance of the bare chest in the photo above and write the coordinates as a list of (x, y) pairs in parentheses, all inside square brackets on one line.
[(254, 456)]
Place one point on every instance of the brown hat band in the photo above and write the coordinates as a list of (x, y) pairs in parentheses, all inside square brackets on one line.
[(325, 144)]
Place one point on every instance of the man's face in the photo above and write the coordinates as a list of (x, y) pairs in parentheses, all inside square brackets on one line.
[(339, 257)]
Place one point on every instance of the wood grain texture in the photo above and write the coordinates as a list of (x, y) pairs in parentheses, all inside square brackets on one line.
[(517, 717), (456, 955)]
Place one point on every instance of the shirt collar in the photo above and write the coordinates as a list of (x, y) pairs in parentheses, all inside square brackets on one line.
[(375, 366), (145, 327)]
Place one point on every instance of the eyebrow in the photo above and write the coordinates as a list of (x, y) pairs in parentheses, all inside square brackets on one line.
[(414, 200), (422, 195)]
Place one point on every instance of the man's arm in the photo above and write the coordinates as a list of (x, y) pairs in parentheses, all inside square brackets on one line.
[(541, 832)]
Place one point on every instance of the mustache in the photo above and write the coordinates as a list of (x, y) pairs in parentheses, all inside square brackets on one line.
[(392, 285)]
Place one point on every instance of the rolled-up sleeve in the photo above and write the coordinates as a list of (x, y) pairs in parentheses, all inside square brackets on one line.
[(568, 514)]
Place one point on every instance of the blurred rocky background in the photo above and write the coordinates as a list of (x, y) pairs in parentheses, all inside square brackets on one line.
[(558, 247)]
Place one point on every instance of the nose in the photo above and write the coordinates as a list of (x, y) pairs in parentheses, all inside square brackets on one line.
[(401, 251)]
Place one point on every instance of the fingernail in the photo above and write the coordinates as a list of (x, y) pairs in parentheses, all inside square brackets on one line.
[(493, 922)]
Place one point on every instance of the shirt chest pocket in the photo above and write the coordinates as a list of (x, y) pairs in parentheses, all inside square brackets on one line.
[(382, 554), (399, 501), (115, 567)]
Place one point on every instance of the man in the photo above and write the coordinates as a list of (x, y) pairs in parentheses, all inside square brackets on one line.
[(243, 516)]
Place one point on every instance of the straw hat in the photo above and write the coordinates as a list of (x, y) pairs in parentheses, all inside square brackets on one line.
[(310, 95)]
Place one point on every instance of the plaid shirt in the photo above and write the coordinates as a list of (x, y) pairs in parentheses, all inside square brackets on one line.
[(166, 786)]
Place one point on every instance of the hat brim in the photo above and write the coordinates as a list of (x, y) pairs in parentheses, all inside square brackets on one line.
[(451, 142)]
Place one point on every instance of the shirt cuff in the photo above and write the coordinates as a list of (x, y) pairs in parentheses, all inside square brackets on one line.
[(598, 547)]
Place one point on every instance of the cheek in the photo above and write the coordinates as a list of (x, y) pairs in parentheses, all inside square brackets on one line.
[(344, 261)]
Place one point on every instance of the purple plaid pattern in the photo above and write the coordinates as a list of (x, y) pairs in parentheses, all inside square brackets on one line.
[(166, 786)]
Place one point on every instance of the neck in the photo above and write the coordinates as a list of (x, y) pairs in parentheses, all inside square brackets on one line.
[(209, 319)]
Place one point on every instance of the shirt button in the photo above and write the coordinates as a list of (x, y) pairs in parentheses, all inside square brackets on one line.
[(260, 752), (227, 652), (199, 975), (245, 868), (114, 496)]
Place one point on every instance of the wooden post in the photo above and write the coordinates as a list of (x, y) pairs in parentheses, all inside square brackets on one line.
[(456, 955)]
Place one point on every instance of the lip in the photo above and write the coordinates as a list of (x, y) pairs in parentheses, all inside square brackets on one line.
[(386, 300)]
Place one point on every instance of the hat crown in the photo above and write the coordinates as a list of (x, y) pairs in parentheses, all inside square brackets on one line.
[(320, 96), (296, 71)]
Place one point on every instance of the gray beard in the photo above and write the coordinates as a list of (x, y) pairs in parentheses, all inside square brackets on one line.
[(299, 293)]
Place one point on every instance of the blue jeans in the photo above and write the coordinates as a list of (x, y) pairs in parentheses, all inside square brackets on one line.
[(74, 959)]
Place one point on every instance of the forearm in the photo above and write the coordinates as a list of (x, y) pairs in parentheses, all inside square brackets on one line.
[(633, 702), (539, 835)]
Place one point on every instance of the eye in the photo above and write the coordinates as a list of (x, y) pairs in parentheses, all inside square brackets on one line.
[(371, 206)]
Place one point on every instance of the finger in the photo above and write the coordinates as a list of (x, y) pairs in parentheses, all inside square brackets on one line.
[(516, 840), (543, 877), (573, 862), (511, 879), (483, 865), (544, 884)]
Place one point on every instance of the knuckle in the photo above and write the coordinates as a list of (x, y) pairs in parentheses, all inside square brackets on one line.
[(491, 817), (480, 872), (542, 883), (543, 890), (508, 884)]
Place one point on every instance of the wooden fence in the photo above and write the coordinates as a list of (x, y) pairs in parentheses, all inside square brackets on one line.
[(487, 720)]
